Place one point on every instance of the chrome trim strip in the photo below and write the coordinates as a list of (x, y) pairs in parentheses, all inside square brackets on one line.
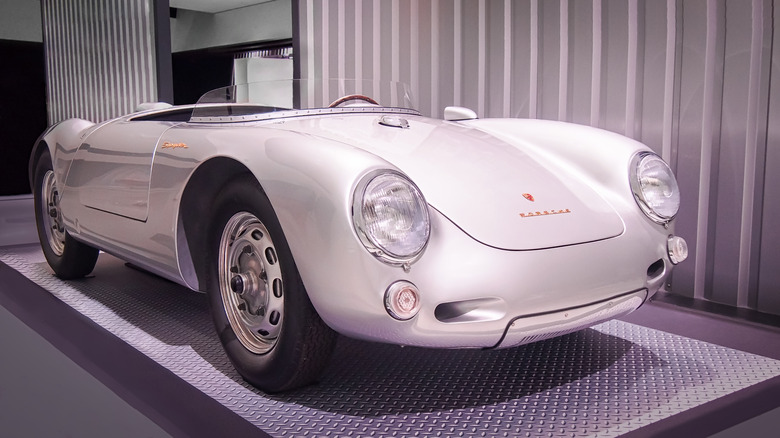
[(302, 113)]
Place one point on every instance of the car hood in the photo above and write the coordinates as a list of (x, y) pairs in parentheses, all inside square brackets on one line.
[(496, 192)]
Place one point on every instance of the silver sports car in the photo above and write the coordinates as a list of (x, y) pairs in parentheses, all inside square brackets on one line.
[(308, 209)]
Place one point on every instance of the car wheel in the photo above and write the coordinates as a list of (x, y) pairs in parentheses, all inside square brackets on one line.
[(68, 257), (265, 321)]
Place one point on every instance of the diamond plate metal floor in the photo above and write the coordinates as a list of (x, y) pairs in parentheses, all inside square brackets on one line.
[(604, 381)]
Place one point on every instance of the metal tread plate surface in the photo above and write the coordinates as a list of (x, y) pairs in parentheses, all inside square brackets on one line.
[(603, 381)]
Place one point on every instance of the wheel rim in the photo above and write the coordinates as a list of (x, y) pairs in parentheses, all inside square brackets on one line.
[(51, 215), (250, 282)]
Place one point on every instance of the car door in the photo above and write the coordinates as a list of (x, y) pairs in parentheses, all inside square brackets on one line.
[(111, 171)]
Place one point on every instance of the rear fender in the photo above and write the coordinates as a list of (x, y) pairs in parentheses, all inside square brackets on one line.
[(62, 140)]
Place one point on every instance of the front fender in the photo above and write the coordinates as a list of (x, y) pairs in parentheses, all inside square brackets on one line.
[(310, 183)]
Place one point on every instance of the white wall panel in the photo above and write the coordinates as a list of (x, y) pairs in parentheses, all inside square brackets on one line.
[(691, 79), (100, 57), (766, 295), (20, 20), (193, 30)]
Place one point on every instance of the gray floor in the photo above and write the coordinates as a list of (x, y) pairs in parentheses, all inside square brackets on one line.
[(43, 393), (764, 425), (382, 388)]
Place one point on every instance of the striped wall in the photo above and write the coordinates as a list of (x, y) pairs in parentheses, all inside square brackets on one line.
[(691, 79), (100, 57)]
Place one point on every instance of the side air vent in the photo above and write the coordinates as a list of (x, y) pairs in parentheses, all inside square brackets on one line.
[(655, 269), (482, 309)]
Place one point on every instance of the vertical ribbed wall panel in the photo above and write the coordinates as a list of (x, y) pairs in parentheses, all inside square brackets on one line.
[(690, 79), (100, 57)]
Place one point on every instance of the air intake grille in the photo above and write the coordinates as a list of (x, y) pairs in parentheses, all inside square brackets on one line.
[(537, 328)]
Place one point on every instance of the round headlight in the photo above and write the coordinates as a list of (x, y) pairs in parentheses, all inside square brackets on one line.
[(655, 187), (391, 217)]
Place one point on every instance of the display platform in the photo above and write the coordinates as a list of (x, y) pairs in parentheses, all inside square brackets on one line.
[(605, 381)]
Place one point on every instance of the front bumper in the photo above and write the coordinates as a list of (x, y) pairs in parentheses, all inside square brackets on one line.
[(476, 296)]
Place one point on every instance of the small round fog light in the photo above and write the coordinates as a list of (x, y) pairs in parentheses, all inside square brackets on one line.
[(678, 249), (402, 300)]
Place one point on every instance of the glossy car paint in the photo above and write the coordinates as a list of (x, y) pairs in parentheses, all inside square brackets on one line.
[(579, 253)]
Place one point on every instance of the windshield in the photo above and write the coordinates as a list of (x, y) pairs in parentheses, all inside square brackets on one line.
[(258, 100)]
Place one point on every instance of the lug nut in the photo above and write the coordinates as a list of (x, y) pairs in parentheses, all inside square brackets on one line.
[(237, 284)]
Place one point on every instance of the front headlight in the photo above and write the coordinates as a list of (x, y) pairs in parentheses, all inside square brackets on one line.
[(391, 218), (655, 187)]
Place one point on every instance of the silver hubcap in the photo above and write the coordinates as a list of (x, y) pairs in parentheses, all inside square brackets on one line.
[(250, 282), (50, 212)]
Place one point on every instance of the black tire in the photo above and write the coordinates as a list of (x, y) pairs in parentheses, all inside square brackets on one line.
[(262, 313), (68, 257)]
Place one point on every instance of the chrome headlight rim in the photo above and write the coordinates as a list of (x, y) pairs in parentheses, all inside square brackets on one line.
[(361, 229), (639, 193)]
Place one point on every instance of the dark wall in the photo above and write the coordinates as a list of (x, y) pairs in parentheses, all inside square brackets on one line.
[(22, 111), (198, 71)]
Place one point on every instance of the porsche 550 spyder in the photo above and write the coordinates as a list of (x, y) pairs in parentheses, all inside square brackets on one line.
[(309, 209)]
